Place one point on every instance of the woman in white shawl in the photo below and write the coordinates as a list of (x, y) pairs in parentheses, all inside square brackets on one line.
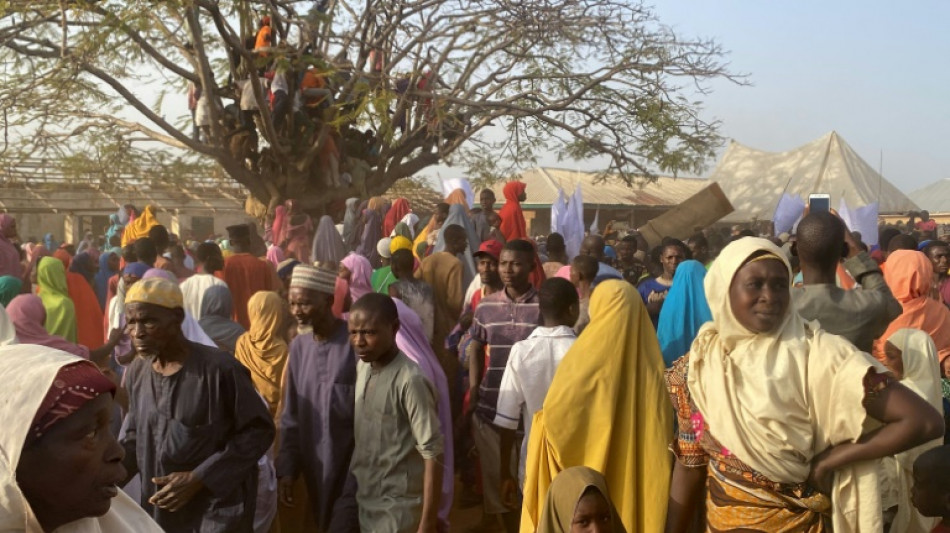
[(774, 413), (912, 356), (51, 480)]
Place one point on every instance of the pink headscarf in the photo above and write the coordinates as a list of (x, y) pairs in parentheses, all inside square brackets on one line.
[(275, 254), (279, 226), (360, 275), (28, 316)]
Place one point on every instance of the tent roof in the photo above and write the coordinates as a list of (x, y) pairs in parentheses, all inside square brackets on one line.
[(543, 184), (934, 197), (754, 180)]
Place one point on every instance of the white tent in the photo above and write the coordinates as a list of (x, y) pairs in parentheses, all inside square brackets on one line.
[(754, 180), (934, 197)]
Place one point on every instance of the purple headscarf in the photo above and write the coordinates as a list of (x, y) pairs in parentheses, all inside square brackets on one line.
[(9, 256), (412, 341)]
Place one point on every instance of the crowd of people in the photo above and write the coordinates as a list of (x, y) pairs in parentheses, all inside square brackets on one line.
[(374, 372)]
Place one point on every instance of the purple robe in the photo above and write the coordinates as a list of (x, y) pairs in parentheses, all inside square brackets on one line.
[(316, 426), (413, 342)]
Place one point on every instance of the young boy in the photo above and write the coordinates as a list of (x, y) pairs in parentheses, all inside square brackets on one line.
[(397, 460), (931, 493), (529, 372)]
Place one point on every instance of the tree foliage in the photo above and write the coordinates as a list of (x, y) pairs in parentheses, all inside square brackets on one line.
[(491, 85)]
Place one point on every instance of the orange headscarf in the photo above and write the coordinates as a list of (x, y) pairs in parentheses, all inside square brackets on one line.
[(88, 313), (513, 225), (909, 276), (458, 197)]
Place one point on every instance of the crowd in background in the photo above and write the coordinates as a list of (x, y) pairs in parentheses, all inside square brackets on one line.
[(373, 372)]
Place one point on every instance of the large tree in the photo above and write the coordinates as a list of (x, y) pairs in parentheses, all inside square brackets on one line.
[(489, 85)]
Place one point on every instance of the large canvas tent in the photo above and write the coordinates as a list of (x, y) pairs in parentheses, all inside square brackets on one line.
[(934, 197), (754, 180)]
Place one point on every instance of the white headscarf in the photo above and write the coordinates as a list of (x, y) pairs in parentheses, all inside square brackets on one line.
[(27, 372), (7, 330), (921, 375), (775, 406)]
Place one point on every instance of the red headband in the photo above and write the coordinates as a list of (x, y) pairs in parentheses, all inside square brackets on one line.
[(75, 385)]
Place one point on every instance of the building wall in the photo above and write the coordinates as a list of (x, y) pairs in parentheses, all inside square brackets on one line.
[(70, 228)]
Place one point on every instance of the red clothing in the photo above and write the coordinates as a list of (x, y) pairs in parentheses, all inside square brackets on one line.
[(245, 275), (513, 225), (88, 314), (941, 528), (397, 212), (929, 225)]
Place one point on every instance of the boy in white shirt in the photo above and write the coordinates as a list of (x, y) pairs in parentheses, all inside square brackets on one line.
[(529, 373)]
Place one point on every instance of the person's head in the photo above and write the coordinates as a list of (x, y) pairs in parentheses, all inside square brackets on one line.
[(311, 296), (931, 492), (699, 247), (145, 251), (402, 264), (578, 502), (159, 236), (456, 239), (112, 262), (441, 213), (593, 245), (885, 235), (154, 313), (486, 262), (820, 241), (265, 20), (672, 253), (939, 254), (555, 245), (626, 249), (487, 199), (382, 248), (128, 253), (8, 226), (924, 215), (901, 242), (133, 272), (69, 466), (558, 302), (583, 270), (373, 323), (516, 263), (239, 236), (115, 241), (209, 257), (759, 292)]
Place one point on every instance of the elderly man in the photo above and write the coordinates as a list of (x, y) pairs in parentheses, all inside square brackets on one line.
[(316, 425), (195, 428)]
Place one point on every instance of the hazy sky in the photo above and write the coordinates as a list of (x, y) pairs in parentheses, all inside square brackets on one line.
[(877, 72)]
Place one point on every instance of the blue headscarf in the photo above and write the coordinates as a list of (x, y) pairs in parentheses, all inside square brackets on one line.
[(137, 269), (684, 311), (101, 281), (50, 243)]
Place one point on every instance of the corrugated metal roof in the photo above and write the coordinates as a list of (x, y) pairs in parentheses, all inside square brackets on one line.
[(543, 184)]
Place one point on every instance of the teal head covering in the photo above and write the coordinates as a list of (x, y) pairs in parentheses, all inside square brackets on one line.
[(684, 311)]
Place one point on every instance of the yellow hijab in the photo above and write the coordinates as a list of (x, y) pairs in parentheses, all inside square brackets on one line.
[(139, 227), (565, 492), (60, 309), (773, 405), (262, 349), (607, 409)]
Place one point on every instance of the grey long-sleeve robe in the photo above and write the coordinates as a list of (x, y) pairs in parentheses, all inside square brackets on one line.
[(208, 419)]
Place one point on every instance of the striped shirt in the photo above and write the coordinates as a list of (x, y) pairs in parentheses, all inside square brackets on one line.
[(499, 323)]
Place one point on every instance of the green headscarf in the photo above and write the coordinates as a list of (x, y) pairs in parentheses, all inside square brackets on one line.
[(9, 287), (60, 311)]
